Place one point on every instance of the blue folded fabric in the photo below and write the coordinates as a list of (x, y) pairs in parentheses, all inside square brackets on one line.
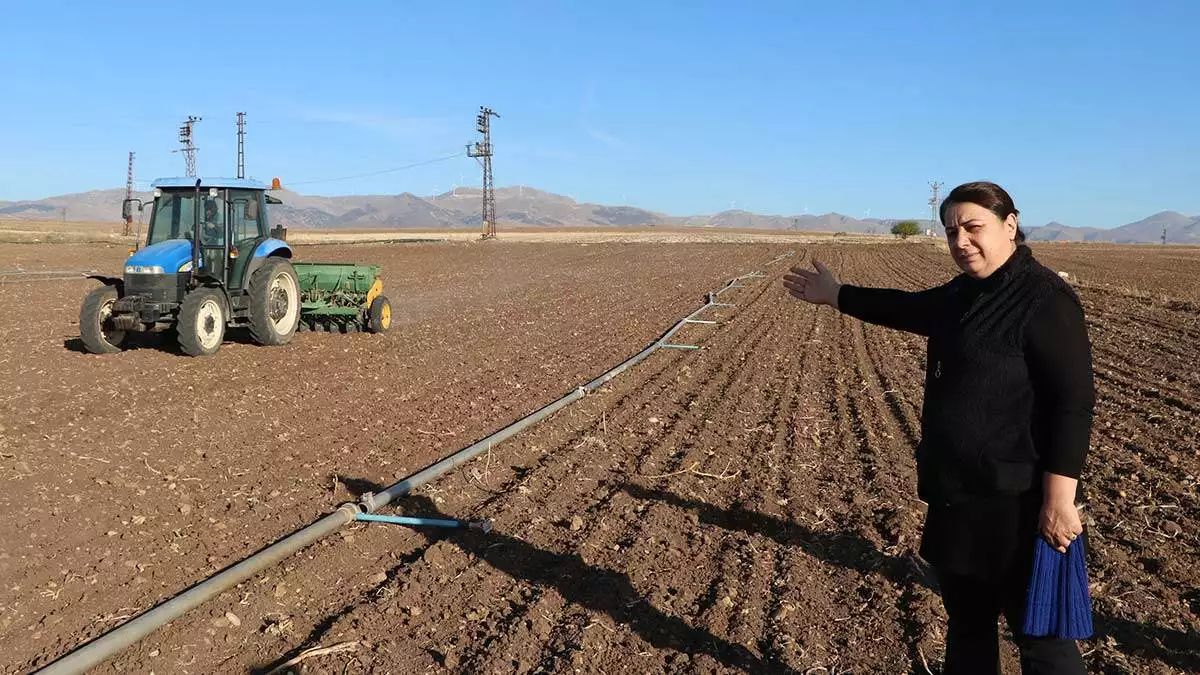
[(1058, 602)]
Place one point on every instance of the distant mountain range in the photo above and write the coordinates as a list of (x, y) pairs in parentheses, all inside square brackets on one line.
[(1179, 229), (528, 207)]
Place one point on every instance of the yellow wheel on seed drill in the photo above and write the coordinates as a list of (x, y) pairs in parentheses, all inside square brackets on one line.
[(379, 316)]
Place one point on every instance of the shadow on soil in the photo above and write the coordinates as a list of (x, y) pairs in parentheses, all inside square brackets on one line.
[(612, 593), (595, 588), (1172, 647), (839, 548), (162, 341), (132, 343), (357, 487)]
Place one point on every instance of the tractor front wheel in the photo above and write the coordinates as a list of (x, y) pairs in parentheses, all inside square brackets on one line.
[(201, 322), (274, 302), (93, 316), (379, 316)]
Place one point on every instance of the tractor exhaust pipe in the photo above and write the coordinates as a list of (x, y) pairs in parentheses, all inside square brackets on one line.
[(197, 258)]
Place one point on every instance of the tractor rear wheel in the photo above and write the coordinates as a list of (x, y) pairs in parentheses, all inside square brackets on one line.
[(274, 302), (379, 316), (201, 322), (93, 315)]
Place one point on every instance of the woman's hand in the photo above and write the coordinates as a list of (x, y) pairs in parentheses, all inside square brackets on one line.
[(819, 287), (1059, 522)]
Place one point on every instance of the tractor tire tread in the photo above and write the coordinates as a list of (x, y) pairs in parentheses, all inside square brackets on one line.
[(90, 332), (262, 329), (375, 315), (189, 340)]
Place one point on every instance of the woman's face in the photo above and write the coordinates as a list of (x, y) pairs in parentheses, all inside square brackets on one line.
[(979, 241)]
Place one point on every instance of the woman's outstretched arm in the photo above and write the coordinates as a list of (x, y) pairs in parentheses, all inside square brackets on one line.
[(911, 311)]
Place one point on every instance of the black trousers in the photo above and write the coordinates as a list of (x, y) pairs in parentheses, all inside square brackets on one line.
[(972, 644)]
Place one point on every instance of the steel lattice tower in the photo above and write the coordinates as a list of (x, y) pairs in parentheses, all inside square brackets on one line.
[(482, 151), (934, 203), (189, 148)]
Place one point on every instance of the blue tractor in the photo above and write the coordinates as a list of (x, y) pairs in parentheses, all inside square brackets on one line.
[(210, 261)]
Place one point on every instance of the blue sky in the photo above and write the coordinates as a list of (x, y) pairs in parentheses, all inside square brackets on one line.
[(1086, 111)]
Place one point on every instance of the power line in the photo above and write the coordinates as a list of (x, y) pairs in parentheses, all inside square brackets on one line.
[(376, 173), (482, 151)]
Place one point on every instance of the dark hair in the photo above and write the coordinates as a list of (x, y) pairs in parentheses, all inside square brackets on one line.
[(988, 195)]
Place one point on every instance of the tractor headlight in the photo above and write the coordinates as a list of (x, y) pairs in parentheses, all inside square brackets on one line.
[(143, 269), (186, 267)]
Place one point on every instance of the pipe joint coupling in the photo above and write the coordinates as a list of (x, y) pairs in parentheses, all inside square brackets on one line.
[(366, 502)]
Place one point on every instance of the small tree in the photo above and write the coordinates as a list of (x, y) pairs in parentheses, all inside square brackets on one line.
[(906, 228)]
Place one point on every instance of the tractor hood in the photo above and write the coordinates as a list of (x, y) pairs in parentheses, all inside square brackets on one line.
[(170, 255)]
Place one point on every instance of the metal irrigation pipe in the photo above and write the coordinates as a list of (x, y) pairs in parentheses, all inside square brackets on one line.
[(371, 502), (107, 645), (102, 648), (78, 277), (34, 272)]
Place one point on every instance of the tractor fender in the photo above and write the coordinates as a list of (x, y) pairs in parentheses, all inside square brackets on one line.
[(270, 248), (110, 281)]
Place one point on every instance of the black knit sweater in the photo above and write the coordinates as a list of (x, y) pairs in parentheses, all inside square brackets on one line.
[(1009, 392)]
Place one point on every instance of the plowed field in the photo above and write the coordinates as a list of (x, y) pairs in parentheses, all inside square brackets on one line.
[(746, 507)]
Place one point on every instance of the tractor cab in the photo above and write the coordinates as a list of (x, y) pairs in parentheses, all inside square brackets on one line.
[(218, 223)]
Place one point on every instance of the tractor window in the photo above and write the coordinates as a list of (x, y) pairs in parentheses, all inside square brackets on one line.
[(212, 221), (244, 209), (174, 216)]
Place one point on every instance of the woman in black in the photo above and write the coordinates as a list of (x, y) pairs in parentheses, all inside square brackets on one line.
[(1005, 424)]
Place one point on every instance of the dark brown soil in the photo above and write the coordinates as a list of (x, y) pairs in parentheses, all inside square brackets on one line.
[(748, 507), (1160, 272)]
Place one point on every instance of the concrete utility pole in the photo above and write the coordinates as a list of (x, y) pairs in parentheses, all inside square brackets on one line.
[(241, 138), (128, 196), (482, 152)]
